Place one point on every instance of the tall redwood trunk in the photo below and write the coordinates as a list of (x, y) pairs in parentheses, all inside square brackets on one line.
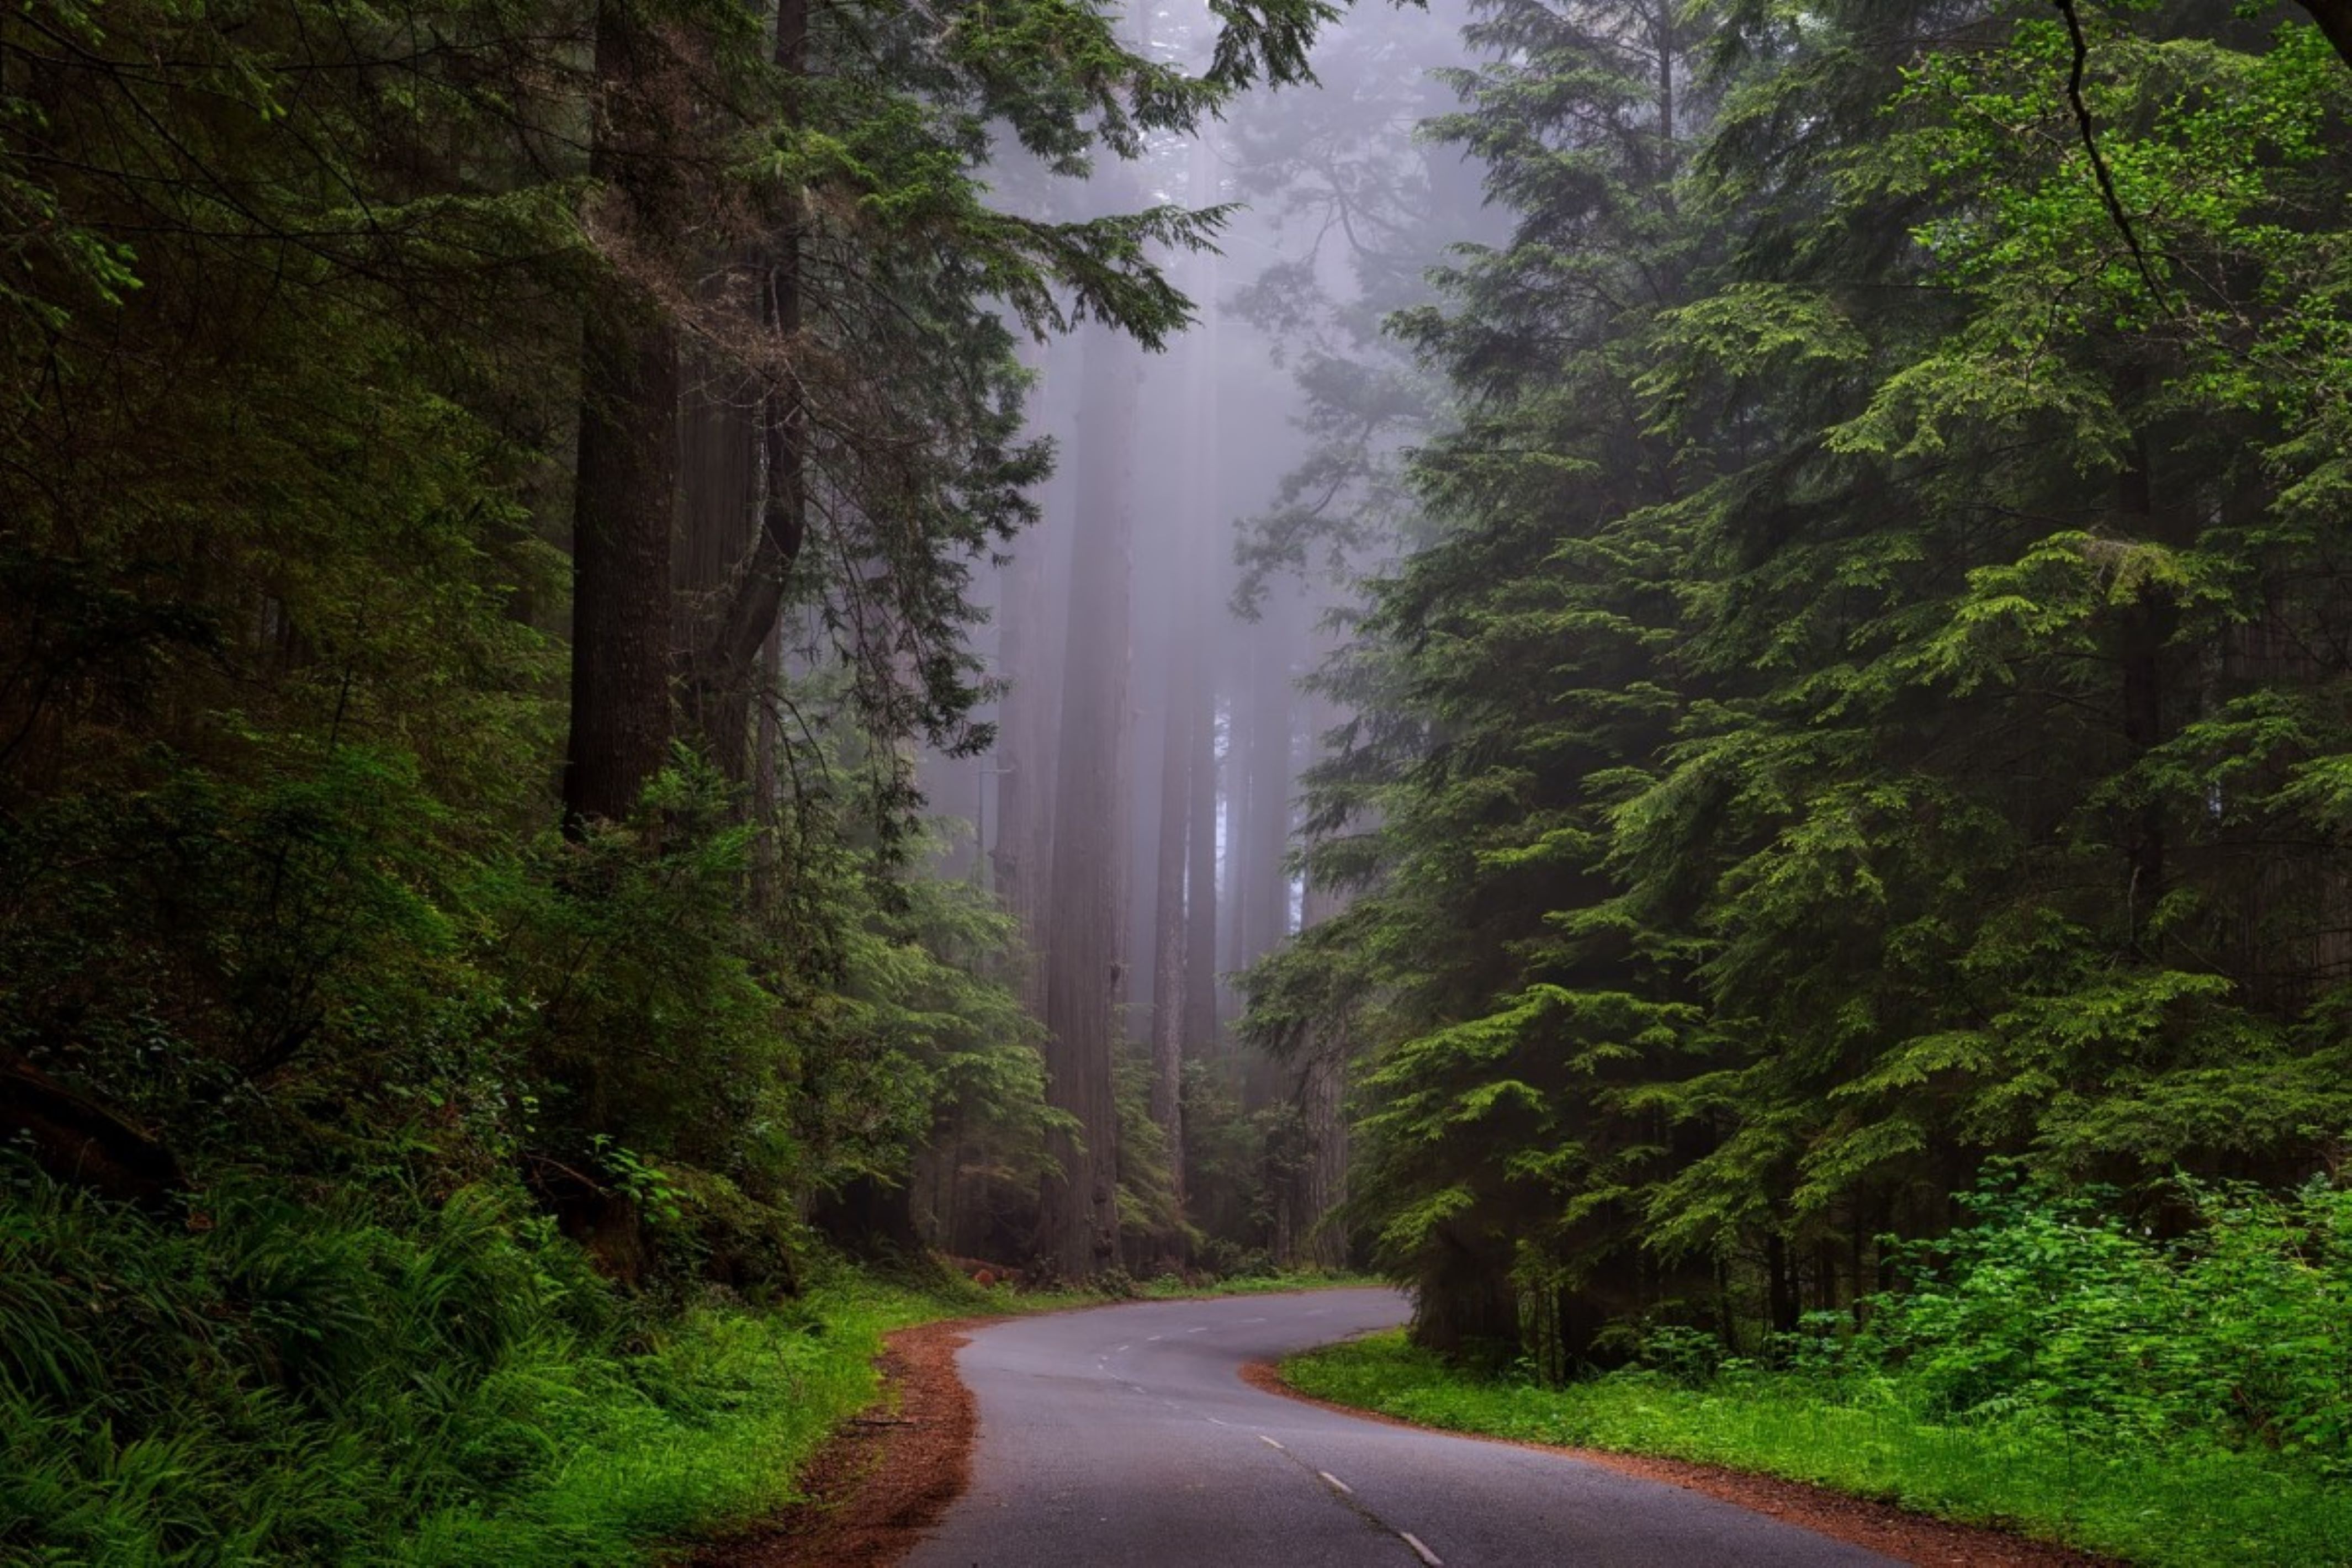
[(1200, 1022), (1020, 853), (1322, 1182), (1183, 1006), (719, 510), (1265, 887), (726, 665), (1168, 1024), (1078, 1219), (2149, 622), (628, 468)]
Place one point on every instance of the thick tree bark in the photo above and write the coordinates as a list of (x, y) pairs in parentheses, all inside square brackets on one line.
[(2334, 19), (1020, 857), (1169, 1024), (727, 663), (1265, 887), (719, 509), (1464, 1306), (626, 472), (2147, 625), (1078, 1216), (767, 772), (1240, 772), (1204, 611), (1200, 1022), (1321, 1185)]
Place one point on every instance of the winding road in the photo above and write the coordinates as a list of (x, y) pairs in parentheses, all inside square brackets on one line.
[(1124, 1436)]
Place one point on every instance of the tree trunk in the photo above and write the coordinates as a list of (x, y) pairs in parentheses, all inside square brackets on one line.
[(719, 512), (1078, 1218), (2334, 19), (767, 773), (626, 472), (1464, 1307), (2147, 625), (1266, 887), (726, 666), (1322, 1184), (1169, 932), (1200, 1022), (1020, 855)]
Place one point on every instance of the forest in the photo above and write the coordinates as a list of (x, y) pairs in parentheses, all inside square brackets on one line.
[(673, 674)]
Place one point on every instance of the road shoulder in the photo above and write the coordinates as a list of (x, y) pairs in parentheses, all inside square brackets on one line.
[(1877, 1526), (887, 1477)]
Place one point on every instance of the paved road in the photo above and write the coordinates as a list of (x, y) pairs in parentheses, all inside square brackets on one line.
[(1124, 1437)]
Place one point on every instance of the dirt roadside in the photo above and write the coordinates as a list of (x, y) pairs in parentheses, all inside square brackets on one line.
[(885, 1477)]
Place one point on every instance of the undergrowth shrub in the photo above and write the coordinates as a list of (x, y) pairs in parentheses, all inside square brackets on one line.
[(2238, 1333), (321, 1378)]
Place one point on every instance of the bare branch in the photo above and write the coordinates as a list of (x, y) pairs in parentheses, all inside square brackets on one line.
[(2098, 162)]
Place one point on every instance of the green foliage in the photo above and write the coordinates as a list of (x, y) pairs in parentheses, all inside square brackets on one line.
[(291, 303), (1866, 696), (2232, 1334), (403, 1381), (2169, 1398), (2176, 1508)]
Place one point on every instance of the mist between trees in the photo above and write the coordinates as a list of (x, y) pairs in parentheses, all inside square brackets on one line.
[(1589, 659), (1152, 642)]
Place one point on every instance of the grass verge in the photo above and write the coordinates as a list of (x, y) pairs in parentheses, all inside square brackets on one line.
[(337, 1377), (711, 1429), (342, 1381), (2162, 1507)]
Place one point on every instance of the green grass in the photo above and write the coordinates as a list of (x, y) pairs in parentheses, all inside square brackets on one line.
[(744, 1400), (1171, 1290), (758, 1394), (711, 1432), (2189, 1507), (350, 1382), (350, 1378)]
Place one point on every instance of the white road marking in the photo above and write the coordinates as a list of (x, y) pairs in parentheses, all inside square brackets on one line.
[(1270, 1442), (1117, 1351), (1196, 1331), (1253, 1320), (1155, 1339), (1426, 1555), (1215, 1422), (1342, 1488)]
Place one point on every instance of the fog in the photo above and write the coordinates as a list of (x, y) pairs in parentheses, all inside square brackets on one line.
[(1213, 509)]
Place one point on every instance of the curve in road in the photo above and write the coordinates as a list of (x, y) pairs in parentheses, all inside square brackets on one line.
[(1124, 1435)]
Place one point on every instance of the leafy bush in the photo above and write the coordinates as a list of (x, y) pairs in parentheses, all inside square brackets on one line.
[(2238, 1333), (279, 1378), (2141, 1504)]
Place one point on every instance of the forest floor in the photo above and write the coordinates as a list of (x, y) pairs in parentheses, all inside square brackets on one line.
[(890, 1474)]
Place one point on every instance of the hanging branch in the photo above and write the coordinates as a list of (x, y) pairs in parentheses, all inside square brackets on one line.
[(2098, 162)]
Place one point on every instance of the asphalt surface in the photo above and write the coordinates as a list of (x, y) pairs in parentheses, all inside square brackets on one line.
[(1124, 1436)]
